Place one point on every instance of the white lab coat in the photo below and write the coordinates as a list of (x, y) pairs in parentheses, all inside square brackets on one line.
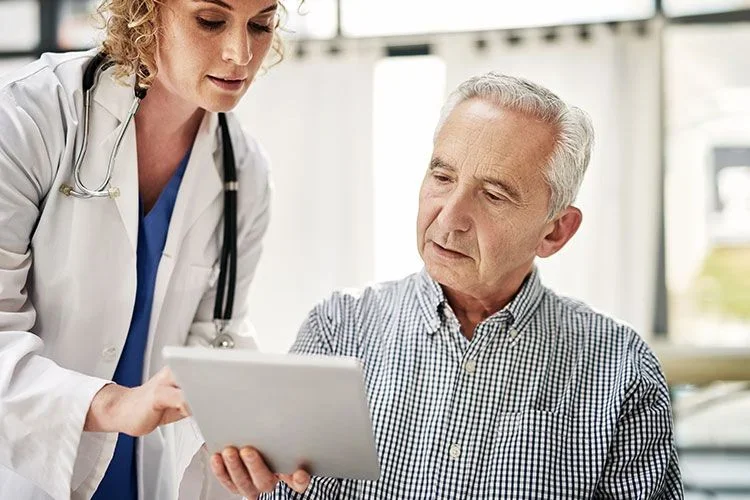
[(68, 281)]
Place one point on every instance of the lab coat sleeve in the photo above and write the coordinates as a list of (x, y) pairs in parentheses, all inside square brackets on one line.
[(42, 405), (254, 200)]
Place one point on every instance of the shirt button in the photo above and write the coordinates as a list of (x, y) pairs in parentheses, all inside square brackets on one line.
[(454, 451), (109, 354), (513, 333), (470, 366)]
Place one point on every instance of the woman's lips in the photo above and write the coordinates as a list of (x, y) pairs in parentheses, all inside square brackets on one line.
[(227, 84)]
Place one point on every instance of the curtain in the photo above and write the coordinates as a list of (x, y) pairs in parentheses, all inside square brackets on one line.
[(313, 115)]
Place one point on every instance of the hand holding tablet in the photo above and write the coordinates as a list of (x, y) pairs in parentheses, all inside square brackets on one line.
[(308, 412)]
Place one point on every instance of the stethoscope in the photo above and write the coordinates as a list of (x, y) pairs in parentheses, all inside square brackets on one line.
[(228, 265)]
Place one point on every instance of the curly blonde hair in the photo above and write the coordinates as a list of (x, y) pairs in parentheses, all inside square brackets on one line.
[(131, 32)]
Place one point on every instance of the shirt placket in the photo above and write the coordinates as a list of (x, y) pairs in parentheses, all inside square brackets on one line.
[(457, 447)]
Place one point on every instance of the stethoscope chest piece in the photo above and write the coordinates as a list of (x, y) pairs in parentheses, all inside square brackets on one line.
[(223, 341)]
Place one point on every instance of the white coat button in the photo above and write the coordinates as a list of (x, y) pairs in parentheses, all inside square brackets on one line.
[(109, 354), (470, 366), (454, 451)]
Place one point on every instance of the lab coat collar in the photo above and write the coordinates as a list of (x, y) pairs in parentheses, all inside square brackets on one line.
[(200, 185), (114, 96)]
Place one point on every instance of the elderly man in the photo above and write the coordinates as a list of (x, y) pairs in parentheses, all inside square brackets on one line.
[(482, 382)]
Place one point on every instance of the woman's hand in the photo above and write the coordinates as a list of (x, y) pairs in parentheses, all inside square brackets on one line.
[(137, 411), (245, 472)]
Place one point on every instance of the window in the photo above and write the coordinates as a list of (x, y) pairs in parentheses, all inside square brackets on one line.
[(408, 94), (675, 8), (314, 19), (390, 17), (20, 24), (78, 28), (707, 184)]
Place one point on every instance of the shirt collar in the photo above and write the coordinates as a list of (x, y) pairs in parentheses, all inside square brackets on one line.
[(520, 310)]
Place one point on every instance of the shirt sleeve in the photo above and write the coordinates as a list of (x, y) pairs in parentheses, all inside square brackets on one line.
[(642, 461), (321, 488)]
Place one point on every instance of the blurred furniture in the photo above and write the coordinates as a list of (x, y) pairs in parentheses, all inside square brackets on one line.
[(700, 365)]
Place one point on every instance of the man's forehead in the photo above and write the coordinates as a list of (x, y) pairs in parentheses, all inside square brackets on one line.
[(482, 136)]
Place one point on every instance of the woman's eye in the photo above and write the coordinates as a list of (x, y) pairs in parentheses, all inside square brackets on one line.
[(210, 25), (261, 28)]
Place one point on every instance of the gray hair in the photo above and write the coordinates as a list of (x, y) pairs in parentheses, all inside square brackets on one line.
[(575, 134)]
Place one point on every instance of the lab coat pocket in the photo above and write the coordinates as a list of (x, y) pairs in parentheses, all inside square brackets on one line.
[(195, 304)]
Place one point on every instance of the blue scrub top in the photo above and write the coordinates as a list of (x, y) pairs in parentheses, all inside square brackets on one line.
[(120, 482)]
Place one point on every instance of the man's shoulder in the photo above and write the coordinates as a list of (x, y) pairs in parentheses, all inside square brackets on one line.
[(381, 297), (589, 325), (601, 339)]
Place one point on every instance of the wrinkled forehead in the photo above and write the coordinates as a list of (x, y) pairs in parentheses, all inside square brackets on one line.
[(482, 138)]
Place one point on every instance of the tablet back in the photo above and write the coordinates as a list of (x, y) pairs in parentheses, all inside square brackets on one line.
[(308, 411)]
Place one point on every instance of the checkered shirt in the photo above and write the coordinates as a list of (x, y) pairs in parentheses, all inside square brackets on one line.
[(549, 399)]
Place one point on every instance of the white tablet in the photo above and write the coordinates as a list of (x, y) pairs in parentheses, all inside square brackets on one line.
[(308, 411)]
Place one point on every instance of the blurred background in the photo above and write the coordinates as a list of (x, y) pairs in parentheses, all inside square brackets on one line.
[(348, 116)]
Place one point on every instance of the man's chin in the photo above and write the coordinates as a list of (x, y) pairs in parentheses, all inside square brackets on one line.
[(444, 273)]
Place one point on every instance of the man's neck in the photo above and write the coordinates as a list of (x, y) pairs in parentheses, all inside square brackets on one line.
[(473, 308)]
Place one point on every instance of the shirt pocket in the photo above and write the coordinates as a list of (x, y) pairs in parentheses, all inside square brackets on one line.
[(534, 451)]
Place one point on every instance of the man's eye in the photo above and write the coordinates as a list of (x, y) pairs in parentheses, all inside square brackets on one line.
[(492, 196), (441, 178)]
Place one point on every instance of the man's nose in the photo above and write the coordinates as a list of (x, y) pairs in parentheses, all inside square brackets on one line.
[(456, 213)]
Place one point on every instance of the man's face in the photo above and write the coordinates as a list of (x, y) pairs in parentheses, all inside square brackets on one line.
[(483, 202), (210, 51)]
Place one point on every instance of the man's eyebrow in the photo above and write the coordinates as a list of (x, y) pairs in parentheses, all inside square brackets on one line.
[(505, 187), (436, 162)]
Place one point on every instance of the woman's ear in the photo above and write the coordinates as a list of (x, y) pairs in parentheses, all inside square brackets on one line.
[(560, 231)]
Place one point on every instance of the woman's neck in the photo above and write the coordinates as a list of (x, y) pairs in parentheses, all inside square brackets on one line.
[(164, 118), (166, 127)]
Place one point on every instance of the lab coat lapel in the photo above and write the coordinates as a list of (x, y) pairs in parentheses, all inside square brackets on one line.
[(200, 188), (116, 99)]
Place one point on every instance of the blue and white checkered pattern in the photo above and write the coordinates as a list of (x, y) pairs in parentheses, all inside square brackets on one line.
[(549, 399)]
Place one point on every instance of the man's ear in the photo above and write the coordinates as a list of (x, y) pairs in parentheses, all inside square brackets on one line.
[(560, 231)]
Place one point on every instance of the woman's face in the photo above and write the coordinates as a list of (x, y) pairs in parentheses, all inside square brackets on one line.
[(209, 51)]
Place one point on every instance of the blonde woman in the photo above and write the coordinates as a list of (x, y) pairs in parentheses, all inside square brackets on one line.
[(129, 201)]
